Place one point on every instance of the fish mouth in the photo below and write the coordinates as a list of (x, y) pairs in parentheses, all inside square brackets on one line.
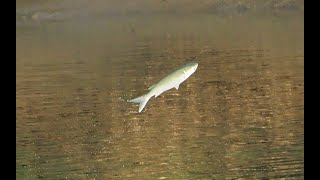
[(195, 66)]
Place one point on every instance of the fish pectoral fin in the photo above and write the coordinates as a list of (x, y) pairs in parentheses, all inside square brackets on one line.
[(177, 86), (156, 95)]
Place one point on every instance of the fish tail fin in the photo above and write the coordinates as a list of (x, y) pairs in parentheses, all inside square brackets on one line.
[(142, 100)]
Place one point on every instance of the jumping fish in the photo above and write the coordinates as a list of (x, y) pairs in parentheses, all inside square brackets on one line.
[(172, 80)]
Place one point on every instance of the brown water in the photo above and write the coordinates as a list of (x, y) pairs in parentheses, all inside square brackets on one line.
[(240, 116)]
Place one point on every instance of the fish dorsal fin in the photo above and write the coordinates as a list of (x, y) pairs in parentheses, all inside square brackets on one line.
[(152, 86)]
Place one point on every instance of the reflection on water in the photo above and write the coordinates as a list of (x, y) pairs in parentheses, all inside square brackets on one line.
[(241, 115)]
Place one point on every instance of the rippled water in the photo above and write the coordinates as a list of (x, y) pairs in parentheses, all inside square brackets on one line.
[(241, 115)]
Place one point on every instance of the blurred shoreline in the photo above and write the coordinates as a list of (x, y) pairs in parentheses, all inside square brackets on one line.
[(71, 10)]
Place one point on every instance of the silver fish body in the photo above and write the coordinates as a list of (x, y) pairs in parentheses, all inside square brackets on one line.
[(172, 80)]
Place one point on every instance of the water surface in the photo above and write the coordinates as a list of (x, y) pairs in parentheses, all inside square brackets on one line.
[(239, 116)]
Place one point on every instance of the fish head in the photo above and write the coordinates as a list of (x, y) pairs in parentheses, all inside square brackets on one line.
[(192, 67)]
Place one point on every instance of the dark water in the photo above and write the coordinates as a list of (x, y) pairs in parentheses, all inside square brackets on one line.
[(240, 116)]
